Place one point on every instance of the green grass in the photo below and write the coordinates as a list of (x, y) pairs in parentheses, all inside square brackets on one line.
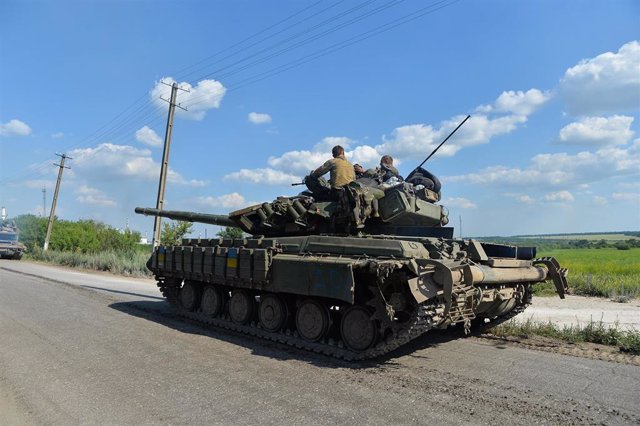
[(588, 237), (120, 263), (594, 332), (606, 272)]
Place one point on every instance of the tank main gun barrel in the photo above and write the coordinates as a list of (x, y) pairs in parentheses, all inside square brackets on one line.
[(211, 219)]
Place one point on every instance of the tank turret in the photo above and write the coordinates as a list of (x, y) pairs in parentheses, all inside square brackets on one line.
[(399, 210)]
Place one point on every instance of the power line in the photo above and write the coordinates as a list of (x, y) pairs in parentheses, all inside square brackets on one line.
[(257, 34), (293, 37), (340, 45)]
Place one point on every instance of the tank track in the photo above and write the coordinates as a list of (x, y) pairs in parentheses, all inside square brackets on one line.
[(420, 323)]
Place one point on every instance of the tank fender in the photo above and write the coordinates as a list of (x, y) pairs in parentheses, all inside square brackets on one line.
[(322, 276)]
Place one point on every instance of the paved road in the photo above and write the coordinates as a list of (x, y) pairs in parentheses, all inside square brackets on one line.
[(86, 348)]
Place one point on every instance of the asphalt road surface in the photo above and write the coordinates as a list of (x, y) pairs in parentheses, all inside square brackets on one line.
[(87, 348)]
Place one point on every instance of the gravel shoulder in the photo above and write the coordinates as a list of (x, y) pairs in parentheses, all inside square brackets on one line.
[(581, 310)]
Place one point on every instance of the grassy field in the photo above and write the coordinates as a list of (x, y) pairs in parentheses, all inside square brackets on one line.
[(588, 237), (606, 272)]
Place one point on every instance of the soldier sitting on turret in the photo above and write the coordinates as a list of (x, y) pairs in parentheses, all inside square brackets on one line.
[(385, 172), (341, 174)]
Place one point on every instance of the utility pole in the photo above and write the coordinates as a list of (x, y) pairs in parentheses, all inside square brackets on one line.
[(44, 200), (55, 198), (165, 162)]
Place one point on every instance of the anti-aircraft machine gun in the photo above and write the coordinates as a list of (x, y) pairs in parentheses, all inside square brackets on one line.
[(338, 278)]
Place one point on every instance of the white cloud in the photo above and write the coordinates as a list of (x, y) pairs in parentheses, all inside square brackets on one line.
[(327, 144), (58, 135), (561, 169), (110, 161), (207, 94), (263, 176), (610, 82), (559, 196), (298, 162), (463, 203), (259, 118), (519, 103), (148, 136), (601, 201), (526, 199), (230, 201), (88, 195), (633, 197), (598, 131), (290, 166), (38, 183), (629, 186), (366, 155), (15, 128), (417, 140)]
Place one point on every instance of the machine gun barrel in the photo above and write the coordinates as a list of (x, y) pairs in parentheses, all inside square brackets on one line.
[(211, 219)]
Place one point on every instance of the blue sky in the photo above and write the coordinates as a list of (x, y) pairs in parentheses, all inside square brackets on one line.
[(553, 89)]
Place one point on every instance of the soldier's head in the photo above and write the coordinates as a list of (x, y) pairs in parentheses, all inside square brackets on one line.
[(337, 151), (358, 169), (386, 160)]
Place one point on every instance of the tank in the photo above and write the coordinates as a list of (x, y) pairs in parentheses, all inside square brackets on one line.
[(353, 277), (10, 247)]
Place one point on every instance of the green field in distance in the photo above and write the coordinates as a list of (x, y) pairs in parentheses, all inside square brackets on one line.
[(606, 272)]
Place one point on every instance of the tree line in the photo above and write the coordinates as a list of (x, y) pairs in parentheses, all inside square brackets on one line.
[(82, 236), (90, 236)]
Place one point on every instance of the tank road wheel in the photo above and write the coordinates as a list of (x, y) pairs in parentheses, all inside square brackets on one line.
[(358, 330), (212, 301), (189, 296), (312, 320), (241, 306), (272, 312)]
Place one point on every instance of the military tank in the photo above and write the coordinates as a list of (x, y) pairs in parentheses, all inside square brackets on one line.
[(10, 247), (344, 277)]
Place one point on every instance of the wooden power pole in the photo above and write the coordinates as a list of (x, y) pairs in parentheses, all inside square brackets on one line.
[(55, 199), (165, 163)]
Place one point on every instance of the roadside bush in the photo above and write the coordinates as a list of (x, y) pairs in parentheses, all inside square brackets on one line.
[(83, 236)]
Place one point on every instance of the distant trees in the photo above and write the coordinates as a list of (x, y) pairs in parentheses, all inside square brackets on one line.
[(230, 232), (174, 232), (83, 236), (550, 243)]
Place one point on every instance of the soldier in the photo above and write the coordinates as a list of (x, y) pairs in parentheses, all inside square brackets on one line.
[(385, 171), (341, 173)]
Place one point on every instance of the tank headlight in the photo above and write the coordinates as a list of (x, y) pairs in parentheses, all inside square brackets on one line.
[(444, 215)]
